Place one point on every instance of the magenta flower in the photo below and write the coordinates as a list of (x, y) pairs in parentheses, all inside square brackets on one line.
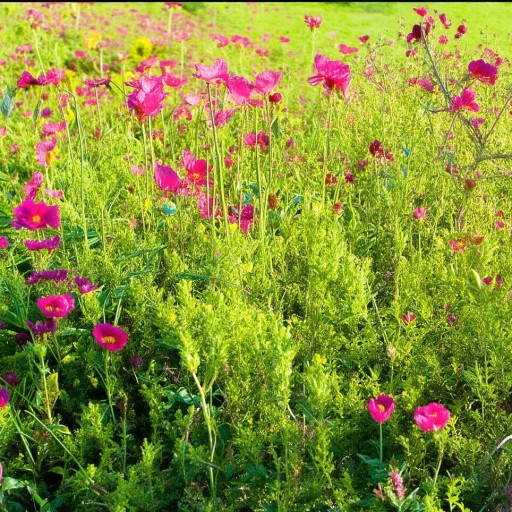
[(26, 80), (482, 71), (34, 216), (222, 117), (53, 127), (110, 337), (239, 90), (245, 217), (313, 22), (84, 285), (381, 407), (347, 50), (363, 39), (267, 81), (44, 155), (147, 98), (167, 179), (4, 243), (4, 397), (466, 101), (53, 77), (431, 417), (56, 306), (48, 243), (197, 170), (461, 30), (57, 276), (442, 19), (421, 11), (215, 74), (332, 74)]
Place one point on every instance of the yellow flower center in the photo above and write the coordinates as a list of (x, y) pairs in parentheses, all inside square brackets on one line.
[(381, 407), (108, 339), (36, 218)]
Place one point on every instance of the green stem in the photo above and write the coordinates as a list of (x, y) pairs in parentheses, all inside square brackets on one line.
[(107, 385), (380, 445), (441, 453)]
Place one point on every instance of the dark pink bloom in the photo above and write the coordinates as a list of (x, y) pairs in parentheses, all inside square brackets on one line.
[(363, 39), (346, 50), (267, 81), (312, 22), (57, 276), (442, 19), (421, 11), (34, 216), (215, 74), (482, 71), (443, 39), (487, 280), (476, 122), (136, 361), (12, 380), (4, 397), (97, 82), (452, 320), (44, 155), (284, 39), (147, 64), (4, 243), (110, 337), (466, 101), (174, 81), (420, 213), (431, 417), (332, 74), (407, 318), (378, 151), (56, 306), (84, 285), (40, 328), (222, 117), (418, 32), (26, 80), (48, 243), (381, 407), (147, 98), (427, 84), (275, 98), (461, 30)]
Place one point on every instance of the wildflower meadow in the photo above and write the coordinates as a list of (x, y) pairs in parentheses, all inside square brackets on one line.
[(255, 257)]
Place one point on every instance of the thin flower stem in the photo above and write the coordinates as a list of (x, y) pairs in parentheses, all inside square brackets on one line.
[(380, 445), (107, 385)]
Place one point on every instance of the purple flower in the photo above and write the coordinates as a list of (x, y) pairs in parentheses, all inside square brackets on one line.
[(4, 397), (84, 285), (56, 276), (38, 245), (136, 361), (11, 379), (40, 328)]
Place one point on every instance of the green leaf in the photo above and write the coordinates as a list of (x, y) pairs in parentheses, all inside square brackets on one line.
[(275, 128), (7, 103), (12, 483)]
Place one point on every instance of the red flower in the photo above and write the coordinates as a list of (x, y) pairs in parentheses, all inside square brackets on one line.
[(215, 74), (56, 306), (482, 71), (381, 407), (147, 99), (110, 337), (431, 417), (34, 216), (378, 151), (332, 74), (196, 169)]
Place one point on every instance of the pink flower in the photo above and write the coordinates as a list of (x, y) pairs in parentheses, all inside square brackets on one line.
[(215, 74), (245, 217), (363, 39), (53, 127), (346, 50), (34, 216), (461, 30), (267, 81), (84, 285), (57, 276), (332, 74), (110, 337), (167, 179), (239, 89), (452, 320), (4, 397), (197, 170), (44, 155), (407, 318), (26, 80), (31, 188), (147, 98), (4, 243), (222, 117), (431, 417), (56, 306), (443, 39), (465, 101), (398, 484), (312, 22), (458, 245), (420, 213), (38, 245), (53, 77), (3, 131), (476, 122), (482, 71), (381, 407)]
